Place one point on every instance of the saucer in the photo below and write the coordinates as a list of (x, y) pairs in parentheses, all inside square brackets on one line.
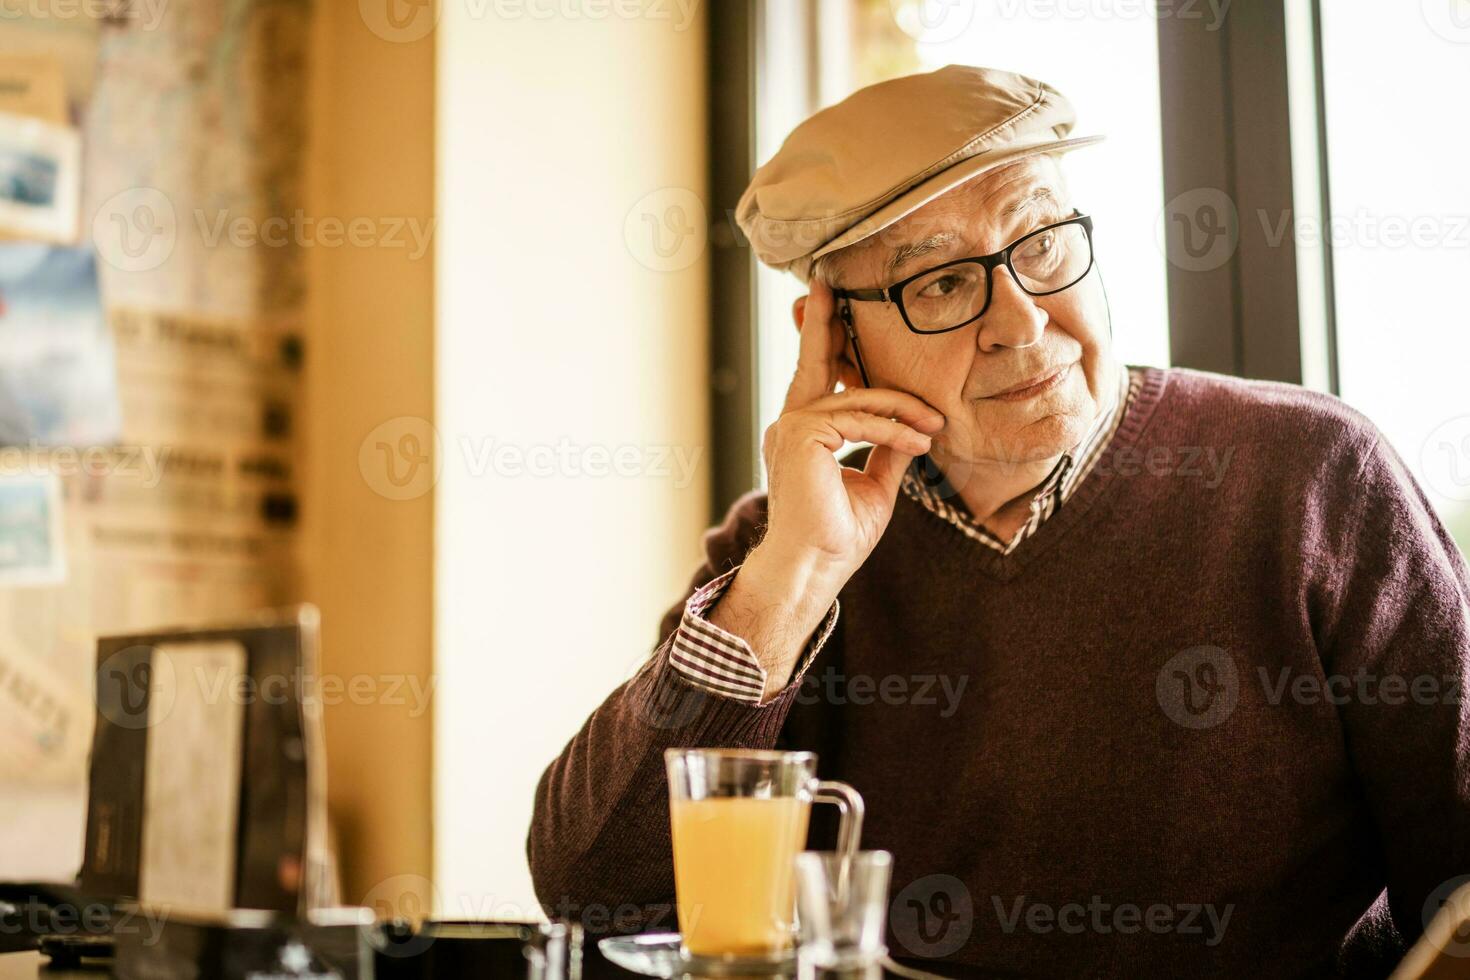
[(660, 954)]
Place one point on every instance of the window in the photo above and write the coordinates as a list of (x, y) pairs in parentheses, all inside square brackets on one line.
[(1394, 76)]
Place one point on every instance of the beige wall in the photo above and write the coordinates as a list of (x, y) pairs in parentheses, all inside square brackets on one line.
[(564, 332), (367, 558), (559, 324)]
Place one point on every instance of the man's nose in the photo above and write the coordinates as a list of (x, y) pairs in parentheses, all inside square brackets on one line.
[(1013, 319)]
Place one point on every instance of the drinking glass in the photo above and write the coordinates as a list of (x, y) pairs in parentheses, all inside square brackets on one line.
[(842, 903), (738, 820)]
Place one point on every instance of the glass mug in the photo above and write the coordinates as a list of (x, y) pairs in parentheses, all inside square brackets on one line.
[(738, 820)]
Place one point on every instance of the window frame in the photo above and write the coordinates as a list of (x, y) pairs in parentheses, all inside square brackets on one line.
[(1228, 125)]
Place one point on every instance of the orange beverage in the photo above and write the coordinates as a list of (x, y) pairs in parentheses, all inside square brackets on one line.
[(738, 819), (734, 869)]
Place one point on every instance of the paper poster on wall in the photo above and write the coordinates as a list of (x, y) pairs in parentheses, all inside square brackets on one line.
[(69, 38), (45, 722), (32, 550), (40, 179), (58, 373), (33, 85), (191, 516)]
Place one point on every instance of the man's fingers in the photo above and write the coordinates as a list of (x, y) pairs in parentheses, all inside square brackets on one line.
[(886, 467), (833, 429), (886, 402), (816, 362)]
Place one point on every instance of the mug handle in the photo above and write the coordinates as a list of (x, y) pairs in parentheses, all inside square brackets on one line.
[(849, 803)]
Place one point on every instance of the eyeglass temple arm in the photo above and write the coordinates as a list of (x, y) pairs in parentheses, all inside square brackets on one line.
[(880, 295), (857, 355), (845, 313)]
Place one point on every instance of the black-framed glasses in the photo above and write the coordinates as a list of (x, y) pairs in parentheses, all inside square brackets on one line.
[(949, 296)]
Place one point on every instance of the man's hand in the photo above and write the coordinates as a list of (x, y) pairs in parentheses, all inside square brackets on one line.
[(820, 513), (824, 519)]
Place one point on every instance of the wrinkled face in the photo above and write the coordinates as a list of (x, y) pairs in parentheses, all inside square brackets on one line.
[(1022, 383)]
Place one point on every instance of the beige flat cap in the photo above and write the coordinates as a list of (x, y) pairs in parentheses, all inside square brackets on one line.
[(855, 168)]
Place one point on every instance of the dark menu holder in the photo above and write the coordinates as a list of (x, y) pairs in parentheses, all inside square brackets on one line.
[(445, 949), (278, 860), (339, 944), (281, 858), (243, 944)]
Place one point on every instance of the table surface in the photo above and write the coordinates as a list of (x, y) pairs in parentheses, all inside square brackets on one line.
[(27, 966), (13, 966)]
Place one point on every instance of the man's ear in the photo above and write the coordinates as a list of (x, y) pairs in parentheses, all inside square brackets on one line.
[(798, 311), (847, 371)]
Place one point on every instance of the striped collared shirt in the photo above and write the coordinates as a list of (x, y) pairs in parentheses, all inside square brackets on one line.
[(721, 663)]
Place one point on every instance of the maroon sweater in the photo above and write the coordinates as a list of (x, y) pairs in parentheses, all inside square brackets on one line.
[(1195, 726)]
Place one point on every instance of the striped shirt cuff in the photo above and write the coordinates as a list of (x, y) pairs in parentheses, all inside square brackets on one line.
[(719, 662)]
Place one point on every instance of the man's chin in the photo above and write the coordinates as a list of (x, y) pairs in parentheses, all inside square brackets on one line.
[(1047, 437), (988, 444)]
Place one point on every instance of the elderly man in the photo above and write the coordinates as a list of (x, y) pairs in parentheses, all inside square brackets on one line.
[(1141, 672)]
